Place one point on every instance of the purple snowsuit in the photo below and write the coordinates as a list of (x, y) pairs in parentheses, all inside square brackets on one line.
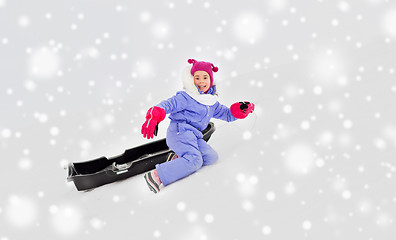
[(184, 137)]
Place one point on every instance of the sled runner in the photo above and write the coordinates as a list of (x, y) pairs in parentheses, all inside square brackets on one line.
[(95, 173)]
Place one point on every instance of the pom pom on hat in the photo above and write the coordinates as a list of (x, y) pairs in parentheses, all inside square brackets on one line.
[(215, 69)]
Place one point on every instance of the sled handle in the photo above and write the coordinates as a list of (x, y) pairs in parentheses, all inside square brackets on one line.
[(121, 168)]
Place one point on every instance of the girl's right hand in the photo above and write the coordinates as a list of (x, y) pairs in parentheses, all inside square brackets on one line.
[(153, 117)]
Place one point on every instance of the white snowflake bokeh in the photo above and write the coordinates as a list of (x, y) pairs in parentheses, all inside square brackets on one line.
[(315, 160)]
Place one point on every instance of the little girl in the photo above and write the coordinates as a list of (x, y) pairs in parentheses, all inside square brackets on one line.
[(190, 111)]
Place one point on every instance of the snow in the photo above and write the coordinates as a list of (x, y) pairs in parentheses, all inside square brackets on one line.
[(388, 22), (6, 133), (21, 211), (24, 21), (287, 109), (314, 161), (25, 164), (300, 159), (161, 29), (97, 223), (307, 225), (66, 220), (249, 27)]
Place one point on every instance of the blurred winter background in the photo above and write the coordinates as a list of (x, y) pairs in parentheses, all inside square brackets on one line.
[(315, 161)]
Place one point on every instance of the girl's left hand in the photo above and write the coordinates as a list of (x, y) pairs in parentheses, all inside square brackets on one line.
[(241, 109)]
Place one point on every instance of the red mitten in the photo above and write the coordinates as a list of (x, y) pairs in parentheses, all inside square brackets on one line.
[(241, 109), (153, 117)]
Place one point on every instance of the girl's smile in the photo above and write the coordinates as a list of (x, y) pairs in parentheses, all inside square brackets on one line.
[(202, 81)]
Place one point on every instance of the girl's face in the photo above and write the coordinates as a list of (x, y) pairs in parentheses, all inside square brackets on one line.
[(202, 80)]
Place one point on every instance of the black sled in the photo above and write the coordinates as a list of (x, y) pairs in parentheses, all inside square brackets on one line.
[(95, 173)]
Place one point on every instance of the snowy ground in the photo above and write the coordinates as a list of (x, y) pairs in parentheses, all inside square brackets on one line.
[(315, 161)]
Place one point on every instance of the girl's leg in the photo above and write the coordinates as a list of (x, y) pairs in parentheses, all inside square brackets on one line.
[(189, 160), (209, 155)]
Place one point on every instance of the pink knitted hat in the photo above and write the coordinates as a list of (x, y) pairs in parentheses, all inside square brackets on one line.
[(203, 66)]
